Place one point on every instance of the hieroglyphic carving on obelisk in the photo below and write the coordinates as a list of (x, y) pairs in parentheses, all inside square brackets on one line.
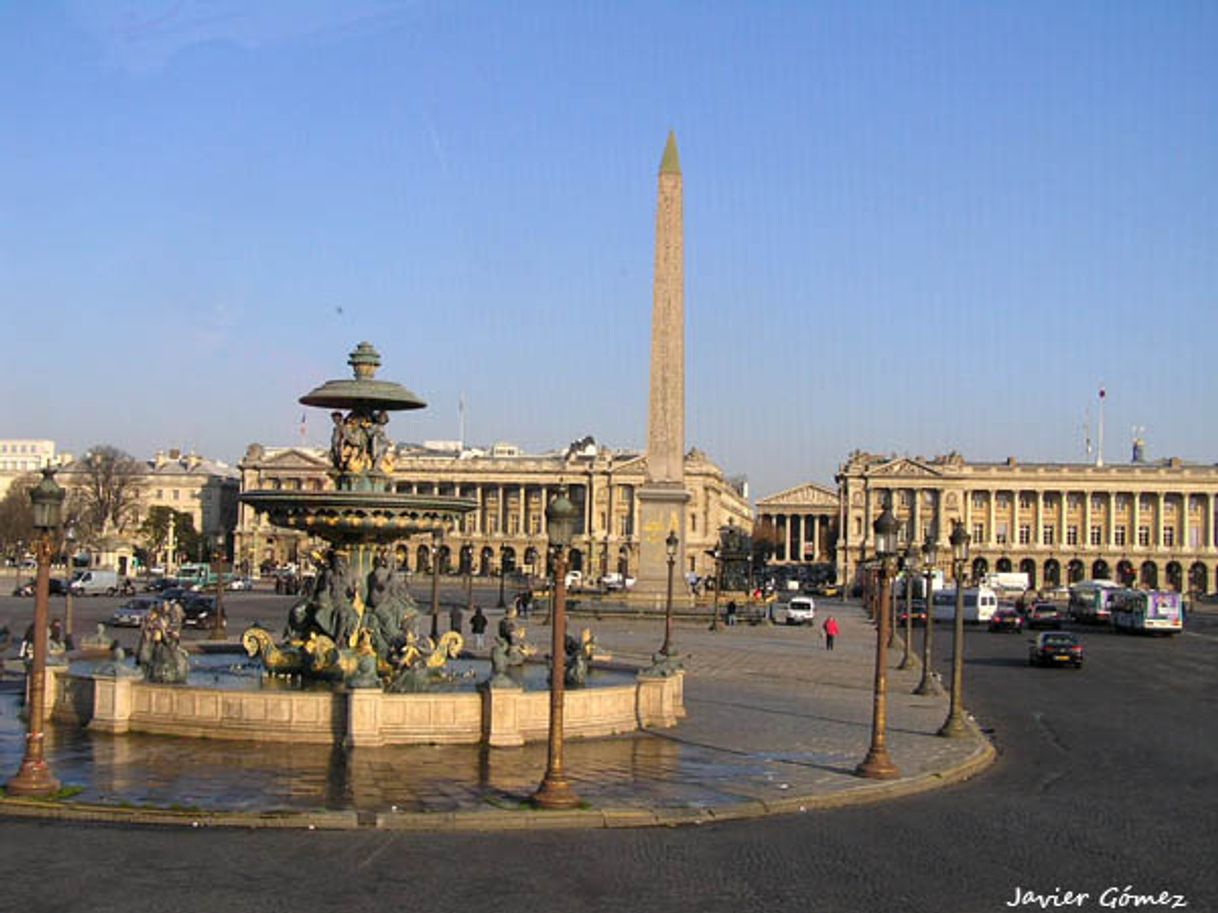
[(663, 498), (666, 412)]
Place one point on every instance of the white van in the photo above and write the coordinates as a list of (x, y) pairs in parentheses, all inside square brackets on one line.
[(980, 604), (94, 583), (800, 610)]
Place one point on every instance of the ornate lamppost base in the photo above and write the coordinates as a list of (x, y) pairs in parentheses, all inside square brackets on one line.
[(32, 779), (555, 793), (953, 728), (929, 687), (878, 766)]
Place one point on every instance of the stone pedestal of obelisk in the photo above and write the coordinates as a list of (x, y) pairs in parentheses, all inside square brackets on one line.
[(663, 498)]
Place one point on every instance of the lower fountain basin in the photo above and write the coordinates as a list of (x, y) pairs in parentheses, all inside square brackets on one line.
[(230, 703)]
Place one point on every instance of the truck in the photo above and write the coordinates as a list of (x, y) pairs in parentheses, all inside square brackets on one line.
[(1007, 582)]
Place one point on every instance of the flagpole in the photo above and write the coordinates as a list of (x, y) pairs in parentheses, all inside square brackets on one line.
[(1099, 452)]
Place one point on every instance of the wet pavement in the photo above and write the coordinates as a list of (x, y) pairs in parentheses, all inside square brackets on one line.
[(775, 722)]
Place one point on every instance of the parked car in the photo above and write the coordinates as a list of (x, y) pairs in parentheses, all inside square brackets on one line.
[(177, 593), (131, 614), (917, 613), (1055, 648), (1044, 615), (1006, 619), (198, 611), (240, 583)]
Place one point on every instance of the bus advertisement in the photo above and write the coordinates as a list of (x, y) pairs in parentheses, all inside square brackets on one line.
[(1148, 611)]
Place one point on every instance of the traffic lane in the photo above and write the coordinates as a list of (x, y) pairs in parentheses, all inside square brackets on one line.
[(1075, 801)]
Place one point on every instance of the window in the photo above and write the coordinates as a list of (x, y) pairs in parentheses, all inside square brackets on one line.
[(1169, 536), (1000, 536), (160, 494), (176, 493), (1071, 535), (1097, 536), (1025, 501), (1025, 534), (1046, 534), (978, 501), (1118, 534), (1097, 502), (978, 532), (1144, 536), (1002, 500)]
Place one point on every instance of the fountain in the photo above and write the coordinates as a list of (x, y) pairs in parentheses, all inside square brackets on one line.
[(352, 668), (356, 623)]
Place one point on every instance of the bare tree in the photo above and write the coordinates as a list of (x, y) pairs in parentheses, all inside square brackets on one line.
[(107, 486), (17, 517)]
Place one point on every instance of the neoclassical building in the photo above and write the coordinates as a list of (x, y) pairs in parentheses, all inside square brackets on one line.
[(507, 530), (805, 519), (1148, 523)]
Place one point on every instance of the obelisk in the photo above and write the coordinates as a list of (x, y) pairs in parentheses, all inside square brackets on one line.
[(662, 497)]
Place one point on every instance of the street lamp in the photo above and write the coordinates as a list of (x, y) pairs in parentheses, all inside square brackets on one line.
[(34, 776), (69, 547), (929, 685), (435, 583), (555, 791), (217, 621), (953, 726), (911, 573), (502, 603), (717, 554), (878, 765), (670, 549)]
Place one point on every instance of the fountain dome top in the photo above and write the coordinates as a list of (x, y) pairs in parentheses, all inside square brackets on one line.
[(363, 392)]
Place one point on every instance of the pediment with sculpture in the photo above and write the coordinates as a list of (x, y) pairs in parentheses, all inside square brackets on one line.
[(807, 495)]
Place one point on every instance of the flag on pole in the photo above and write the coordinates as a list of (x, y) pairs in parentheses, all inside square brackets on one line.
[(303, 429), (1101, 392)]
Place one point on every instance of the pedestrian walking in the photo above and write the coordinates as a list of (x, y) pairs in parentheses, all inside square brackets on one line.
[(731, 613), (477, 625), (831, 631), (455, 618)]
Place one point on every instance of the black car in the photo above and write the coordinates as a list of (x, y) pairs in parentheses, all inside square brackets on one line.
[(198, 611), (58, 587), (1055, 648), (1006, 619), (1044, 615)]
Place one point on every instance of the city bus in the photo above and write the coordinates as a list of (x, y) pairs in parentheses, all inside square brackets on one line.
[(980, 604), (1148, 612), (1091, 600)]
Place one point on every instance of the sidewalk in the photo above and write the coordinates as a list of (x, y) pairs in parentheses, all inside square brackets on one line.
[(775, 723)]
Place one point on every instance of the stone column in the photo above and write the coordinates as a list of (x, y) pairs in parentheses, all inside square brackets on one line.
[(991, 534), (1111, 524), (1159, 521), (1184, 543), (1038, 534), (1211, 542), (1135, 515), (1086, 543)]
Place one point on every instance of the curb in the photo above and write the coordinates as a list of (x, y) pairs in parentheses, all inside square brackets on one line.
[(504, 820)]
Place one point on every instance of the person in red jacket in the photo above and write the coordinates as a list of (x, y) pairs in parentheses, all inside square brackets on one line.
[(831, 631)]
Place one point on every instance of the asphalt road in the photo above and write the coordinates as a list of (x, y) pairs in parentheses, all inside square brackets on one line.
[(1105, 785)]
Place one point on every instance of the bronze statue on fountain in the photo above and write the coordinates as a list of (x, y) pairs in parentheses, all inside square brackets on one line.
[(357, 616)]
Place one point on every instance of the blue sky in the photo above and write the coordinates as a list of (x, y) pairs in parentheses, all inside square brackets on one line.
[(910, 227)]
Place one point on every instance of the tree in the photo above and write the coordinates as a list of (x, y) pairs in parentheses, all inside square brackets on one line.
[(108, 484), (766, 539), (154, 531), (17, 517)]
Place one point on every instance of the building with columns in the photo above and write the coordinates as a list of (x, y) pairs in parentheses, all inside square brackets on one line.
[(507, 530), (805, 520), (1140, 523)]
